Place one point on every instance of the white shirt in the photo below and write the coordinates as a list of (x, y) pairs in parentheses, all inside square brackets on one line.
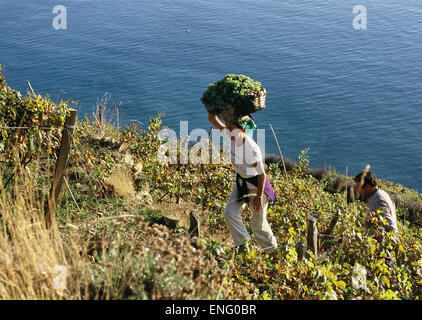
[(380, 200), (244, 155)]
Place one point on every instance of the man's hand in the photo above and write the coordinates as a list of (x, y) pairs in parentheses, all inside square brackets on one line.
[(215, 121), (258, 203), (211, 116)]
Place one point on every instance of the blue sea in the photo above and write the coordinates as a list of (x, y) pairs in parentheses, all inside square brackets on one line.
[(354, 97)]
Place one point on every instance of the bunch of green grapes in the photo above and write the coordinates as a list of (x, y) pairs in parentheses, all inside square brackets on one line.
[(231, 90)]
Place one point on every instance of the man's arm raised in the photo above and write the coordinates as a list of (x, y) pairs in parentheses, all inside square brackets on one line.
[(216, 122)]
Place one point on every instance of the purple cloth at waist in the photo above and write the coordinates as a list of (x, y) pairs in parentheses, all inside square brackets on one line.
[(243, 189), (269, 191)]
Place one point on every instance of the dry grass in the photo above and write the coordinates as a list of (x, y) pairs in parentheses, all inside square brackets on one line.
[(121, 182), (114, 259), (34, 264)]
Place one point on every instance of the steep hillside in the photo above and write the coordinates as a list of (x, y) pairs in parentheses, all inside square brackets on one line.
[(122, 228)]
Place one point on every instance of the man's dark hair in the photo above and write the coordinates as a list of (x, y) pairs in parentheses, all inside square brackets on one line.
[(367, 178)]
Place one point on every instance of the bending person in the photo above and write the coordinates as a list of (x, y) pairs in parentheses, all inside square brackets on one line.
[(376, 200)]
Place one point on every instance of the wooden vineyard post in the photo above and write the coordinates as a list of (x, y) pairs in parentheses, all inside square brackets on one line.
[(333, 223), (60, 167), (312, 235), (194, 228), (100, 115), (327, 233)]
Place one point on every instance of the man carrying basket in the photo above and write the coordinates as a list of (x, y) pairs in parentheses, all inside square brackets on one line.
[(233, 99), (251, 184)]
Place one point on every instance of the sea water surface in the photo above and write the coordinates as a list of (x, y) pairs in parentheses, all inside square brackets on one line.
[(354, 97)]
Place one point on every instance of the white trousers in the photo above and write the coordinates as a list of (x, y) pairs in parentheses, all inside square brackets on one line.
[(259, 224)]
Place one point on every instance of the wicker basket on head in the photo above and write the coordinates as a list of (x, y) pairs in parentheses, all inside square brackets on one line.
[(250, 104)]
